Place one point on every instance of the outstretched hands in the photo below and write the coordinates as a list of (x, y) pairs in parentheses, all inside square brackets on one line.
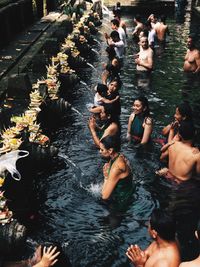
[(48, 258), (137, 256)]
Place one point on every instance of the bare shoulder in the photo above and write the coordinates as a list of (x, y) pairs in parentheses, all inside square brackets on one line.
[(148, 121), (150, 52), (184, 264), (196, 151), (162, 263), (113, 126), (197, 53)]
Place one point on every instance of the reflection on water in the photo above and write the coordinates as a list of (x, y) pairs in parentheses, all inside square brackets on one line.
[(71, 212)]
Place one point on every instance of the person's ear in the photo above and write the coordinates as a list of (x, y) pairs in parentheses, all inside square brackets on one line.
[(110, 151), (154, 234)]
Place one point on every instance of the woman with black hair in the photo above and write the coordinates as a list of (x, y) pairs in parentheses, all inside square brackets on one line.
[(140, 124), (117, 184), (183, 113)]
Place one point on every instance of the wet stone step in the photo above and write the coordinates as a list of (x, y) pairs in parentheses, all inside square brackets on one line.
[(40, 26), (29, 37)]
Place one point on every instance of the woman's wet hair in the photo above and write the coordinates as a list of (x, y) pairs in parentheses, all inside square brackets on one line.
[(145, 105), (163, 224), (185, 110), (110, 142), (63, 260), (186, 130)]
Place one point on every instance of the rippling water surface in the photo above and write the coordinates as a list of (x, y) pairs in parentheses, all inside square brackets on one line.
[(70, 207)]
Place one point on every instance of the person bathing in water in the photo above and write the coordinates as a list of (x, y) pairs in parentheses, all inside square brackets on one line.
[(109, 98), (105, 125), (144, 59), (164, 250), (140, 124), (183, 113), (192, 57), (183, 157), (117, 184)]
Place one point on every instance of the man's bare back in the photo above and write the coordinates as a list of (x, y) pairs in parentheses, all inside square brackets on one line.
[(163, 256), (184, 160), (161, 31)]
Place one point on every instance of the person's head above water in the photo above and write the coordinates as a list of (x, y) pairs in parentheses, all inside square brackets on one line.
[(183, 112), (113, 85), (108, 146), (191, 41), (141, 106), (162, 225), (144, 42), (115, 36), (137, 18), (114, 24), (186, 130)]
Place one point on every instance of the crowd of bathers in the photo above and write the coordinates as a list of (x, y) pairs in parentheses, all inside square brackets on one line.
[(178, 151)]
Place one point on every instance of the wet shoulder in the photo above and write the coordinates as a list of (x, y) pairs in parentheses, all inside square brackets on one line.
[(148, 121)]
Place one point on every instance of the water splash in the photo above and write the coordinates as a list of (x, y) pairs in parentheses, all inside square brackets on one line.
[(92, 189), (97, 41), (95, 51), (86, 86), (90, 65), (95, 190), (78, 172), (78, 112), (106, 11)]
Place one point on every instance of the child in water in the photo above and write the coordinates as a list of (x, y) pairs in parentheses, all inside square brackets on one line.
[(106, 95)]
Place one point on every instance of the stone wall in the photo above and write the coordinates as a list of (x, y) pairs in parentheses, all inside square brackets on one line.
[(138, 2), (14, 18)]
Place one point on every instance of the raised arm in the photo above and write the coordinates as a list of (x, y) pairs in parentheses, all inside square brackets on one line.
[(93, 127)]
